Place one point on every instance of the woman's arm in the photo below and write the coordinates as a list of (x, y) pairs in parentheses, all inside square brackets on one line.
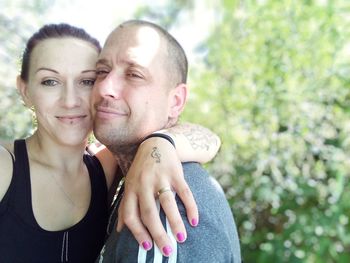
[(6, 170), (193, 142)]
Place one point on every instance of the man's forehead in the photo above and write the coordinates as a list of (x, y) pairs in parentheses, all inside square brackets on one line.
[(141, 45), (140, 35)]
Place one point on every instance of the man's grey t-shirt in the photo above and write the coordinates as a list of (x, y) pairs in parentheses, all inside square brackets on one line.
[(215, 239)]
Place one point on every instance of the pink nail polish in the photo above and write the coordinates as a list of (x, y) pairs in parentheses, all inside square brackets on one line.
[(180, 237), (167, 250), (146, 245), (194, 222)]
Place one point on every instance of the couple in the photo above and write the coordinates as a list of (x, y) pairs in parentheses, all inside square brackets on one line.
[(53, 204)]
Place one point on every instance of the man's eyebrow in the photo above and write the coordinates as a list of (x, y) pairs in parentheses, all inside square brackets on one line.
[(103, 61), (136, 65), (89, 70), (48, 69)]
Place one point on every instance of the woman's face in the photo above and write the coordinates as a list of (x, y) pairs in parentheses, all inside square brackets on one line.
[(61, 77)]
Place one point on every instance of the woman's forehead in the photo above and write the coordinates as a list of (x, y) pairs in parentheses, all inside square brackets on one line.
[(64, 52)]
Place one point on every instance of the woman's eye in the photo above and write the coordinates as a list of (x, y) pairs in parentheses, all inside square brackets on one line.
[(49, 82), (88, 82)]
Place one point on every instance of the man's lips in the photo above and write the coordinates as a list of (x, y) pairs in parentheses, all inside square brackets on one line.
[(107, 113)]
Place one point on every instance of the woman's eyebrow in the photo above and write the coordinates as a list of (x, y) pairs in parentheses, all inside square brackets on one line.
[(48, 69)]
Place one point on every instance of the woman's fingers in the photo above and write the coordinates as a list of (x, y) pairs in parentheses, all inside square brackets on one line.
[(186, 196), (129, 215), (168, 203), (152, 220)]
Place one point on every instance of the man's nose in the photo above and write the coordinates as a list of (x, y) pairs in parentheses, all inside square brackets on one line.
[(111, 86)]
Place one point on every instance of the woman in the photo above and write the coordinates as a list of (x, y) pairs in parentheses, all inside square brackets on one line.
[(53, 196)]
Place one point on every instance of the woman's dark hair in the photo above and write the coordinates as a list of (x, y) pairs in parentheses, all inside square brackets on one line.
[(53, 31)]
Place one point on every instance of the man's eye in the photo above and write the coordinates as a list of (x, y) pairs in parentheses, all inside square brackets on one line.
[(49, 82), (88, 82), (101, 72), (134, 75)]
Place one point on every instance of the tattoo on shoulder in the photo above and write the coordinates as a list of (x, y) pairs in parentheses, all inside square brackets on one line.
[(155, 154)]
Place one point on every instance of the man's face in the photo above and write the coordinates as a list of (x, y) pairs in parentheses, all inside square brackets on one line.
[(131, 94)]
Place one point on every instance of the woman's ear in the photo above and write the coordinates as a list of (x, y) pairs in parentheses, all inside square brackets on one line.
[(23, 91), (178, 98)]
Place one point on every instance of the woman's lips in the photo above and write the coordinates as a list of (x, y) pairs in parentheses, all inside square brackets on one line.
[(71, 119)]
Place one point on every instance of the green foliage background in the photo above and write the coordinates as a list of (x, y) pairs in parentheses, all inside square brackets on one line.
[(18, 20), (274, 84)]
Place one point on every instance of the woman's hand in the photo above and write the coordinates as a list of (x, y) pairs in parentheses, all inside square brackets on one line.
[(156, 167)]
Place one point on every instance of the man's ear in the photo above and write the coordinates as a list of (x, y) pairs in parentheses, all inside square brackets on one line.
[(178, 98), (23, 91)]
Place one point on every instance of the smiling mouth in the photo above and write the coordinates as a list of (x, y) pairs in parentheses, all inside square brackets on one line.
[(108, 113), (71, 119)]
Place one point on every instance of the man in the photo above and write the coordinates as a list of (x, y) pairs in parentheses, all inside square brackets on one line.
[(141, 88)]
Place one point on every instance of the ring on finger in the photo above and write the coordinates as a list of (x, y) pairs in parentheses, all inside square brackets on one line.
[(163, 190)]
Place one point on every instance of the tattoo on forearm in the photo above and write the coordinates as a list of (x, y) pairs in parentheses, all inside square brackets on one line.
[(155, 154), (198, 136), (200, 140)]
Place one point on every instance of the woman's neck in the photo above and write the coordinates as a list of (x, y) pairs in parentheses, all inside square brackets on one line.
[(45, 151)]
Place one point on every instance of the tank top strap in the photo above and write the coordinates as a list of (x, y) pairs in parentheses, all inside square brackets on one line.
[(97, 181), (96, 172), (20, 199)]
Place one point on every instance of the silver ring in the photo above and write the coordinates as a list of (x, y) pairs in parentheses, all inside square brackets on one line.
[(163, 190)]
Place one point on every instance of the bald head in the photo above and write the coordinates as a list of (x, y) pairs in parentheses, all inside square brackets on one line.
[(174, 57)]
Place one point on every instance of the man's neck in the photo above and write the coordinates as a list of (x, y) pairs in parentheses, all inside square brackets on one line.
[(125, 156)]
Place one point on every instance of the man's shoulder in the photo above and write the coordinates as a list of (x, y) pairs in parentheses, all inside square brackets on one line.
[(197, 176), (194, 167), (216, 222), (205, 188)]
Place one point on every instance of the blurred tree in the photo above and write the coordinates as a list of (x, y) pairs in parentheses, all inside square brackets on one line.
[(275, 86), (18, 20), (167, 15)]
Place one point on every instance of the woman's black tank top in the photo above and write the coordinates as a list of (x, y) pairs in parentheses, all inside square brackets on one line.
[(23, 240)]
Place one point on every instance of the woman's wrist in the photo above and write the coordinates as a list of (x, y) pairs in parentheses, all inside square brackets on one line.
[(160, 135)]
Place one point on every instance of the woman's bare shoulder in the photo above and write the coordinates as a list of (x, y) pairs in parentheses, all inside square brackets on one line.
[(6, 167)]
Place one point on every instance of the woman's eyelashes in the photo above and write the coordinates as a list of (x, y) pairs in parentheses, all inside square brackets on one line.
[(49, 82), (88, 82)]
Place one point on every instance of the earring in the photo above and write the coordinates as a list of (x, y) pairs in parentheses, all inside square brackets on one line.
[(34, 119)]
